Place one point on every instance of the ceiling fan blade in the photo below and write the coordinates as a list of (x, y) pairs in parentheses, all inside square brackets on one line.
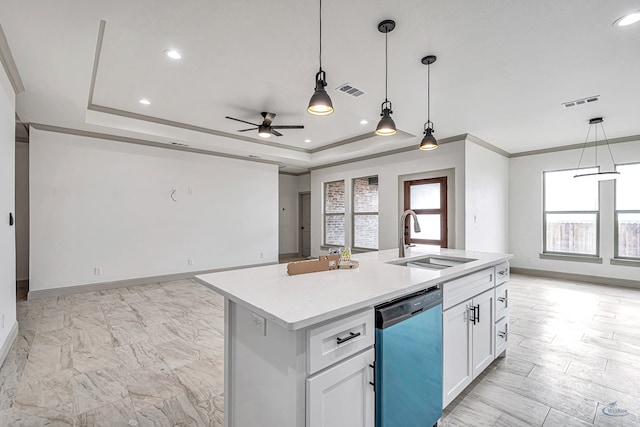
[(247, 130), (268, 118), (275, 132), (288, 127), (242, 121)]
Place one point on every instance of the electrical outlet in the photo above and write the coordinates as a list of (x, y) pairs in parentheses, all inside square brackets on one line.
[(190, 261), (261, 255), (528, 260), (260, 323), (97, 271), (2, 322)]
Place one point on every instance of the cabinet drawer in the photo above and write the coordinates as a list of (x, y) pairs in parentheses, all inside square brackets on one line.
[(502, 335), (466, 287), (502, 272), (339, 339), (502, 300)]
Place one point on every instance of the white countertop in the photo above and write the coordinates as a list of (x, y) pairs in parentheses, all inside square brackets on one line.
[(295, 302)]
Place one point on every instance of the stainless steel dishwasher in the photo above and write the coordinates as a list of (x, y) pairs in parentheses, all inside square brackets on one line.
[(408, 366)]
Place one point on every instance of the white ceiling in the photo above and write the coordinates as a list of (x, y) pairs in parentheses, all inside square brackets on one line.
[(504, 68)]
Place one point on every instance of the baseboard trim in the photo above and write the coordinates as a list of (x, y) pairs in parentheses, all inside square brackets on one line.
[(103, 286), (13, 333), (599, 280), (292, 254)]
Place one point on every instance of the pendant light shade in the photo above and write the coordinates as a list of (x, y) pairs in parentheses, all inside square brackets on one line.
[(386, 125), (600, 175), (428, 141), (320, 103)]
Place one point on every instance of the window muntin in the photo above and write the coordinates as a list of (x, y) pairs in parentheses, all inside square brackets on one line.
[(365, 213), (571, 213), (334, 209), (627, 212)]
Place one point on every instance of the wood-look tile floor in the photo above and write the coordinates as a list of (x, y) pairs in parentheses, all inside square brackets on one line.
[(573, 360), (153, 355)]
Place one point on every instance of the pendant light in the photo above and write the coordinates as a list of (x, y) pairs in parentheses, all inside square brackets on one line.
[(429, 141), (386, 125), (320, 103), (597, 176)]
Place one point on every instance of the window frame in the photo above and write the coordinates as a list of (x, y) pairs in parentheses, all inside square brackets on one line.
[(354, 213), (442, 211), (325, 214), (568, 255), (616, 211)]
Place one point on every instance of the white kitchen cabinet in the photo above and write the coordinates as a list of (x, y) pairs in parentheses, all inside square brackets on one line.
[(456, 351), (482, 332), (468, 343), (343, 395)]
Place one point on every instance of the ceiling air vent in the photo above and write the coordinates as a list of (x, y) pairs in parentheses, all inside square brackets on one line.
[(582, 101), (179, 144), (351, 90)]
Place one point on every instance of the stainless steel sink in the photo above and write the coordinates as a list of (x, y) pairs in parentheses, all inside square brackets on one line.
[(433, 262)]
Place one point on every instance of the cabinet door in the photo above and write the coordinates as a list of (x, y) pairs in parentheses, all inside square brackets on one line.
[(483, 335), (341, 396), (456, 351)]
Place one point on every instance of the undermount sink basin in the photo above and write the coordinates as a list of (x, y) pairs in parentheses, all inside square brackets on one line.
[(433, 262)]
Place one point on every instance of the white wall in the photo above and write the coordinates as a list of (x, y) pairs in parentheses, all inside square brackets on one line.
[(97, 203), (389, 169), (7, 204), (487, 199), (525, 194), (288, 214), (22, 210)]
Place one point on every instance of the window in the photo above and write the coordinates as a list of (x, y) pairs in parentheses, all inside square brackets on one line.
[(365, 212), (571, 218), (627, 218), (428, 199), (334, 213)]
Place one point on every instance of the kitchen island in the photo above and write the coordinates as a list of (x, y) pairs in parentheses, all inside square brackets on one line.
[(287, 362)]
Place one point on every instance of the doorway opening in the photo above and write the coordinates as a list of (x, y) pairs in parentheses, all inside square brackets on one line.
[(22, 210), (304, 221)]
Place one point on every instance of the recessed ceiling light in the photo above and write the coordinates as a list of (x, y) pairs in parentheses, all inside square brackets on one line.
[(363, 122), (144, 101), (173, 54), (307, 140), (628, 19)]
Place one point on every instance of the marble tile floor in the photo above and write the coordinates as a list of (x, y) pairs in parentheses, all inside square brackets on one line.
[(153, 355), (148, 355)]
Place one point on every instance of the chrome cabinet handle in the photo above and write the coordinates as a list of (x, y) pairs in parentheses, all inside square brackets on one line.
[(502, 299), (373, 383), (503, 272), (350, 337)]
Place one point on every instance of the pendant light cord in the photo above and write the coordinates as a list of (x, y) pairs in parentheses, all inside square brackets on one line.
[(320, 53), (607, 141), (584, 147), (386, 64), (428, 94)]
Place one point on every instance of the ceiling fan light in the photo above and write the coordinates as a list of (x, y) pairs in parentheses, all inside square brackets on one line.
[(264, 131), (429, 141), (386, 125), (320, 103)]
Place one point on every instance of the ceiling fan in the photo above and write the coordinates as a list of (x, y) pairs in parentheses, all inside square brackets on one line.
[(265, 130)]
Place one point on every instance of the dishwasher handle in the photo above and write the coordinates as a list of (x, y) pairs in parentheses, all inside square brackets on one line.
[(350, 337)]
